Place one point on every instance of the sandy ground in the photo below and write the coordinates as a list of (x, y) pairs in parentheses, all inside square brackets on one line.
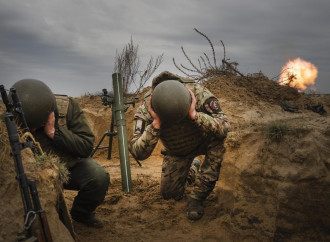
[(268, 190), (143, 215), (246, 204)]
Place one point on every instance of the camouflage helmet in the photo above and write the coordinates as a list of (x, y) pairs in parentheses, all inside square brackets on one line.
[(171, 101), (38, 101)]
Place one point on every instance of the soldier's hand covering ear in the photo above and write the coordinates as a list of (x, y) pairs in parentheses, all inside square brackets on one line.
[(156, 123), (192, 110), (49, 128)]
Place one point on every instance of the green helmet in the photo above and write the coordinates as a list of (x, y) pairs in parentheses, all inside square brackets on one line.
[(38, 101), (171, 101)]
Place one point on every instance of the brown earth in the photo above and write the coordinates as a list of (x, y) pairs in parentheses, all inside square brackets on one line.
[(269, 189), (46, 177)]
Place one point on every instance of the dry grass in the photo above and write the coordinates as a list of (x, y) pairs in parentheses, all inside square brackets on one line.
[(276, 130), (40, 159), (63, 172), (4, 143)]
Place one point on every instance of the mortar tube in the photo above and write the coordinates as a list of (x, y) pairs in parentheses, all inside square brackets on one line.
[(119, 118)]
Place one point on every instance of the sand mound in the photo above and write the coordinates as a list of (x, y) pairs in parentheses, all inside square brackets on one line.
[(46, 178)]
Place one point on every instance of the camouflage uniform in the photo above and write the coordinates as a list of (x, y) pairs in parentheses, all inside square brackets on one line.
[(184, 141), (73, 142)]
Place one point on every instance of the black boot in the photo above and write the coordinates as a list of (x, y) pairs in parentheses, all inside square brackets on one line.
[(195, 209), (89, 219)]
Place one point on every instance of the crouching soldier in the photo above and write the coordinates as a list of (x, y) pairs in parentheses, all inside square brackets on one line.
[(188, 119), (60, 126)]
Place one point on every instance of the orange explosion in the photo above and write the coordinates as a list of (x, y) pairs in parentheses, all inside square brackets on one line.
[(298, 73)]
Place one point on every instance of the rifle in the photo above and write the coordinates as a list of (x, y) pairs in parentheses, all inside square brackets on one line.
[(16, 106), (36, 226)]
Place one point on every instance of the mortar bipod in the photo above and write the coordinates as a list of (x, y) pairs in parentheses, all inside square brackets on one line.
[(109, 101)]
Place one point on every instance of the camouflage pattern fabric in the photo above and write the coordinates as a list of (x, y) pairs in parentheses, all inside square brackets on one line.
[(184, 141), (165, 75), (175, 170)]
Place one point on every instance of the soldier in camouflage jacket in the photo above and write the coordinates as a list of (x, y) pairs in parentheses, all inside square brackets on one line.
[(202, 132)]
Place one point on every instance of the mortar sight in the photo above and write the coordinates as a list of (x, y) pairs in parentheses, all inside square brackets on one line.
[(106, 99)]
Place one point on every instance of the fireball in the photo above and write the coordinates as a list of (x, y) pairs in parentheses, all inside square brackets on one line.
[(298, 73)]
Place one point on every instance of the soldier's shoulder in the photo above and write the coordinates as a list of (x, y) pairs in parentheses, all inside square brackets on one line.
[(201, 88), (186, 80), (194, 86), (142, 111), (62, 103), (61, 96), (148, 93)]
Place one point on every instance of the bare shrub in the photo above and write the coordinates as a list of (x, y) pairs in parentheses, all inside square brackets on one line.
[(127, 63), (207, 67)]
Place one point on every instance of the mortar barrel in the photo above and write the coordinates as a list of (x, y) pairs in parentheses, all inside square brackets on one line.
[(119, 117)]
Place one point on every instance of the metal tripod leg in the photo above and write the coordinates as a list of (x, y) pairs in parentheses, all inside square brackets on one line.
[(108, 133), (111, 137)]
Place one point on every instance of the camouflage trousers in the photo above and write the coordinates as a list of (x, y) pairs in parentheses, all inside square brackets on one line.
[(175, 170)]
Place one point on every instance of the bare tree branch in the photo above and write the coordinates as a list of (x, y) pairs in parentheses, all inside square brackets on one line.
[(187, 68), (128, 64), (208, 71), (203, 62), (180, 68), (199, 71), (224, 50), (214, 59), (208, 61)]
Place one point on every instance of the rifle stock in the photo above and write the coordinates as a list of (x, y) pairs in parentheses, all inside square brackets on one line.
[(40, 225), (40, 229)]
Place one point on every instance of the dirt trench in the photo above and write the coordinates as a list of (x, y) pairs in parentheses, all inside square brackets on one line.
[(268, 190)]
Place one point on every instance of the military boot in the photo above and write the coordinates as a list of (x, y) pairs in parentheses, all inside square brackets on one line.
[(90, 220), (194, 169), (195, 209)]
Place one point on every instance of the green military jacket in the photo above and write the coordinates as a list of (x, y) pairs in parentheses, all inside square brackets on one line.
[(73, 137), (179, 139)]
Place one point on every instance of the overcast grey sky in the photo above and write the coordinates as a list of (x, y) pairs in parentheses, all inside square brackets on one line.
[(71, 44)]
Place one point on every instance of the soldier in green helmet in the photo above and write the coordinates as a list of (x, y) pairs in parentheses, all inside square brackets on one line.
[(60, 126), (188, 119)]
